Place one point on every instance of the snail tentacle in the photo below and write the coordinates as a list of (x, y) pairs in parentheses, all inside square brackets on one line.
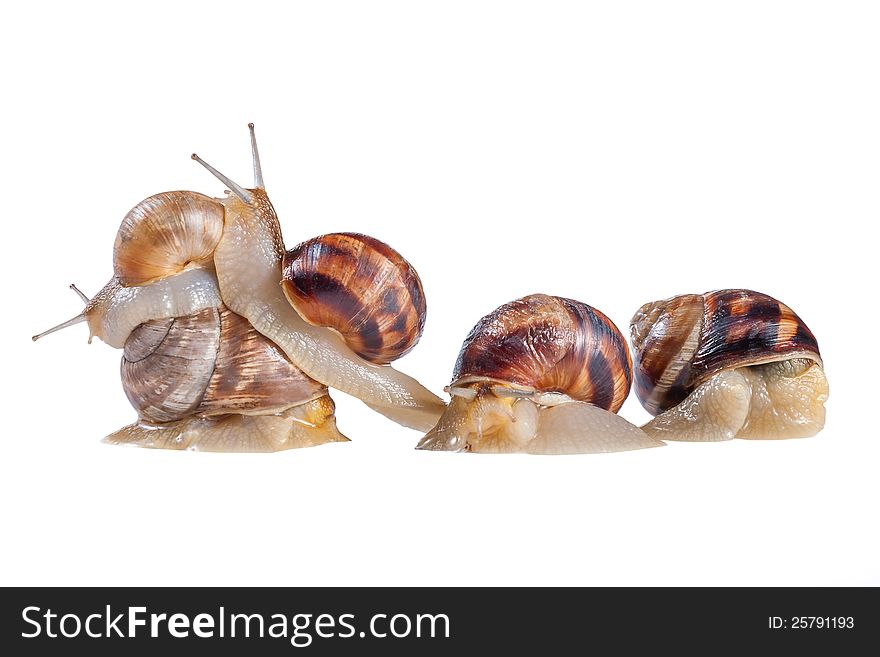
[(236, 189), (73, 321), (255, 153), (79, 293)]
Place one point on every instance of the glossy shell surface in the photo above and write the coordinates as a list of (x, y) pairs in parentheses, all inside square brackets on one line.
[(682, 341), (360, 287), (165, 233), (210, 363), (550, 344)]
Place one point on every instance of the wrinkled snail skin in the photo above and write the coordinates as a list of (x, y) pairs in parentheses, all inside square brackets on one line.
[(540, 375), (303, 425), (117, 310), (248, 261), (725, 364)]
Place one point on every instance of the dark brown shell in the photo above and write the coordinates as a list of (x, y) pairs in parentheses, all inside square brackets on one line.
[(164, 233), (360, 287), (210, 363), (550, 344), (682, 341)]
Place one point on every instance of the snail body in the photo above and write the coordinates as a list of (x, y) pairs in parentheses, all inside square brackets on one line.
[(213, 348), (250, 286), (542, 375), (725, 364)]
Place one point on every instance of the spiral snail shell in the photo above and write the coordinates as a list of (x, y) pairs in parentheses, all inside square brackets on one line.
[(213, 345), (542, 375), (210, 381), (166, 233), (725, 364), (361, 288)]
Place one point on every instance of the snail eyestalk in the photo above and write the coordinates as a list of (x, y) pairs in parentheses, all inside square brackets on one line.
[(258, 169), (79, 293), (237, 189), (70, 322)]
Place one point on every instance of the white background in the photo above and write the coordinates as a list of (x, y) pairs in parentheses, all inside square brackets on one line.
[(614, 154)]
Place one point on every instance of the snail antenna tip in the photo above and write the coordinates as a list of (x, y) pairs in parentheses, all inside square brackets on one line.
[(258, 169), (70, 322), (237, 189), (79, 293)]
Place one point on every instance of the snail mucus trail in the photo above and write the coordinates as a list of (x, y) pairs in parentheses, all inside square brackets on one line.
[(216, 357)]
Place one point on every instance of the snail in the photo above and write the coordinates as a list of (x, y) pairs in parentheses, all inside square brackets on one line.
[(727, 364), (542, 375), (194, 275)]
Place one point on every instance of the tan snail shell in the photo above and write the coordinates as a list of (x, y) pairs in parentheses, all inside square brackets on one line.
[(164, 234), (543, 375), (360, 287), (187, 374), (206, 273), (730, 363)]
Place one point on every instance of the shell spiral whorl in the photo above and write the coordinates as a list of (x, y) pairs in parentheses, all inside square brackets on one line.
[(360, 287), (551, 344), (210, 363), (682, 341), (164, 233)]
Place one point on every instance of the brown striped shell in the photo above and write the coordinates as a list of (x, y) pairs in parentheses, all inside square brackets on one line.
[(549, 344), (682, 341), (212, 362), (164, 234), (360, 287)]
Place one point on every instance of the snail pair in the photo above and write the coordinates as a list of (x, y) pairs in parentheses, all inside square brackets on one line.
[(230, 343), (547, 375)]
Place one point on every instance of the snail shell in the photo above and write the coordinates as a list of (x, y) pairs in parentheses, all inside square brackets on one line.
[(682, 341), (543, 375), (731, 363), (549, 344), (210, 363), (202, 381), (360, 287), (164, 234)]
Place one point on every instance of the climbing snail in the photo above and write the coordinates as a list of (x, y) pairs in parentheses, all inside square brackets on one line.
[(216, 357), (727, 364), (542, 375)]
